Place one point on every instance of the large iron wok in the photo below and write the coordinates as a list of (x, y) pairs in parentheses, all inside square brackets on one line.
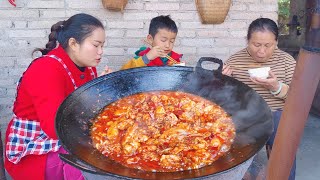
[(250, 113)]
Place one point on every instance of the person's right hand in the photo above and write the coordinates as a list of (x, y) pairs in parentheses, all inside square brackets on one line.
[(106, 70), (155, 52), (271, 83), (227, 70)]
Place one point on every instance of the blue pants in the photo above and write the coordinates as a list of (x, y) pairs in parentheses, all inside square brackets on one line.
[(276, 120)]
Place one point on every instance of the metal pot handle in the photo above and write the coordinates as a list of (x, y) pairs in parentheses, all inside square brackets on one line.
[(73, 161), (210, 59)]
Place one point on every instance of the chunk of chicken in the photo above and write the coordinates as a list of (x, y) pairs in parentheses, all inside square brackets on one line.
[(113, 132), (169, 161), (131, 148)]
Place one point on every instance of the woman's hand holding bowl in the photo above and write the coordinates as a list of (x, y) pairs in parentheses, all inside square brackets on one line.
[(271, 83)]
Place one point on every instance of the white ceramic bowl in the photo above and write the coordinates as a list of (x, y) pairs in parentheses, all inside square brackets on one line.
[(262, 72)]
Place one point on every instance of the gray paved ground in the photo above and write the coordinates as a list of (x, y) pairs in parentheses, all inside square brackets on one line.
[(308, 155)]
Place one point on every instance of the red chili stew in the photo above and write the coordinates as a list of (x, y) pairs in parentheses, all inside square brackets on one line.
[(163, 131)]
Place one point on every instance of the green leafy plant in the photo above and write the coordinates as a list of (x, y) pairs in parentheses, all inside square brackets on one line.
[(283, 15), (284, 8)]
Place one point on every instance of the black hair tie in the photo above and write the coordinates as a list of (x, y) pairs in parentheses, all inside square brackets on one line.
[(62, 25)]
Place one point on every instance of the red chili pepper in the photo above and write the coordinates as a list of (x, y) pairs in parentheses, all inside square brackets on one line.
[(13, 2)]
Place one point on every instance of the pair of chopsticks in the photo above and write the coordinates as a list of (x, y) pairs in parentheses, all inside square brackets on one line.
[(167, 56), (246, 66)]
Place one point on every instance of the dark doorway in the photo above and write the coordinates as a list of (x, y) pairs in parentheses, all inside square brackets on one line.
[(294, 20), (292, 25)]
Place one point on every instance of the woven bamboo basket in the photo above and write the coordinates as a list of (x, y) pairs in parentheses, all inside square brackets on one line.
[(213, 11), (115, 5)]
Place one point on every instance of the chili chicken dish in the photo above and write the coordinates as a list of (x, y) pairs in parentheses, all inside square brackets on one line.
[(163, 131)]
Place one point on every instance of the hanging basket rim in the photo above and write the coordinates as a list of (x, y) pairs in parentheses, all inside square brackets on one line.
[(116, 5), (212, 13)]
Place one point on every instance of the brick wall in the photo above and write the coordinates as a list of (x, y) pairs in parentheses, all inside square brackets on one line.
[(27, 26)]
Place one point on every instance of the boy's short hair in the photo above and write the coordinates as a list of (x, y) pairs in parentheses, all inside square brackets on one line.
[(162, 22)]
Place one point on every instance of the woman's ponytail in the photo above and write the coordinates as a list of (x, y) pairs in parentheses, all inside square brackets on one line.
[(52, 43)]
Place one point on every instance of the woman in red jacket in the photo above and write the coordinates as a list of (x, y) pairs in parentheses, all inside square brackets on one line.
[(69, 59)]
